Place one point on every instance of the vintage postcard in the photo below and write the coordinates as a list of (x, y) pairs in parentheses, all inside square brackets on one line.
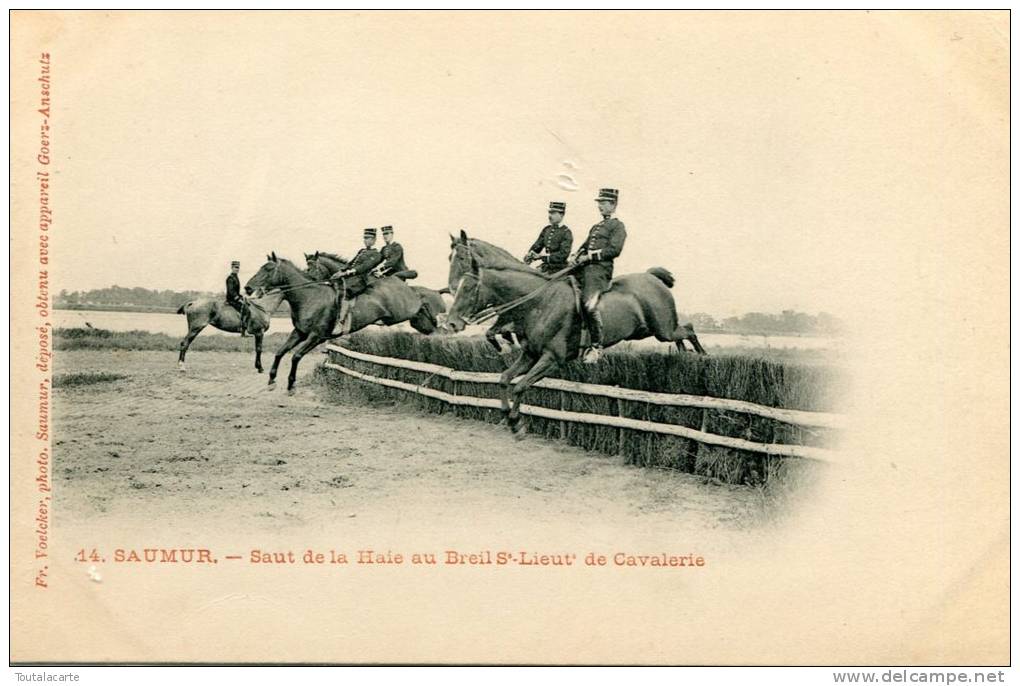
[(510, 337)]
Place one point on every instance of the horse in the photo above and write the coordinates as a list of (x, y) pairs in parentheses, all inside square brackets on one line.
[(322, 265), (637, 306), (205, 311), (314, 309), (503, 326)]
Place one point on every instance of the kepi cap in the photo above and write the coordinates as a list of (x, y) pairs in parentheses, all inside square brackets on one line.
[(387, 229), (235, 263), (608, 194), (560, 207), (370, 233)]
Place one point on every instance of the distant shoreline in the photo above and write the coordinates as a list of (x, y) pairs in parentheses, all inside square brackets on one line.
[(144, 309), (139, 309)]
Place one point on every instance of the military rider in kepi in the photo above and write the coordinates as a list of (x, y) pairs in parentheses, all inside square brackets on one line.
[(555, 240), (595, 266), (234, 298), (356, 275), (392, 258)]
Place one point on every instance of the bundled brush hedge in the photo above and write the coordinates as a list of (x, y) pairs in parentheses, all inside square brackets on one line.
[(102, 339), (741, 377)]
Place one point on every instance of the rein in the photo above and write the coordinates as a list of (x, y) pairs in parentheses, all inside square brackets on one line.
[(287, 289), (496, 310)]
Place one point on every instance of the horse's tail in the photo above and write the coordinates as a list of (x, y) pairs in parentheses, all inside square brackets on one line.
[(663, 275), (182, 308)]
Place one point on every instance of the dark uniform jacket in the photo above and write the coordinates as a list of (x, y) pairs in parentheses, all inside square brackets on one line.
[(556, 241), (392, 259), (234, 290), (365, 261), (604, 244)]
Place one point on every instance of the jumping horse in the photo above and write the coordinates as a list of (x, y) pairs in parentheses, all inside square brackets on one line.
[(636, 307), (314, 308)]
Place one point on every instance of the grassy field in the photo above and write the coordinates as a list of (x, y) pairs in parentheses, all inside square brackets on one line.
[(755, 378), (101, 339)]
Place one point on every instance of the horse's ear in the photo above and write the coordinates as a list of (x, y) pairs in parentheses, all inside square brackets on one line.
[(463, 237), (453, 240), (268, 258), (273, 256)]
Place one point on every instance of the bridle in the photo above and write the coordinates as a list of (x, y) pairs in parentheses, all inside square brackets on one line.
[(494, 311)]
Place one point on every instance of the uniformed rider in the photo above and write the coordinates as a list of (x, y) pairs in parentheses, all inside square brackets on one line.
[(595, 259), (554, 243), (356, 277), (234, 298), (392, 256)]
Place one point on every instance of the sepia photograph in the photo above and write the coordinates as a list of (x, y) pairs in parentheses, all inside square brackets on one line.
[(496, 337)]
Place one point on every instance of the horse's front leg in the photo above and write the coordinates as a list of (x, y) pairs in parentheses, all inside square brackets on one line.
[(546, 363), (258, 352), (292, 340), (295, 359), (520, 365)]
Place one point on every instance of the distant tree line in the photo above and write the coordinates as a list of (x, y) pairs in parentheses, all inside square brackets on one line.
[(143, 299), (119, 297), (787, 321)]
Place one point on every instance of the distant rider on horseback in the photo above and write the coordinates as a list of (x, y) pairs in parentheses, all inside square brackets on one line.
[(555, 239), (392, 258), (234, 298), (357, 276), (595, 261)]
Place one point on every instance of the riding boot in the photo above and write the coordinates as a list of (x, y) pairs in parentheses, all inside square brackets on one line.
[(244, 325), (341, 321), (595, 329)]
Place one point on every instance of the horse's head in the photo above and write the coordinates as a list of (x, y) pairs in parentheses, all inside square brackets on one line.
[(462, 261), (322, 265), (470, 300), (465, 284), (268, 276), (315, 268)]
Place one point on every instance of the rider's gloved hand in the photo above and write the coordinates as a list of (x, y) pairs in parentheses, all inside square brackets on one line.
[(583, 259), (529, 257)]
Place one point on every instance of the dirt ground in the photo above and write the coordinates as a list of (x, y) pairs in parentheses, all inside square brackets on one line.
[(214, 447)]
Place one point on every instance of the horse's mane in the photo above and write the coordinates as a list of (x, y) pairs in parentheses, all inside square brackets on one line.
[(494, 257), (331, 256)]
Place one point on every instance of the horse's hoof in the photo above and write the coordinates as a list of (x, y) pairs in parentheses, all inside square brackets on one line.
[(520, 428), (291, 391), (272, 385), (181, 367), (258, 369)]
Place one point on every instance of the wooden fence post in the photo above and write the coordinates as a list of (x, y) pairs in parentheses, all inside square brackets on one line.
[(563, 424), (704, 429)]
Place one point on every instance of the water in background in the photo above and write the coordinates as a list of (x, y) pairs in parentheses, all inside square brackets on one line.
[(176, 325)]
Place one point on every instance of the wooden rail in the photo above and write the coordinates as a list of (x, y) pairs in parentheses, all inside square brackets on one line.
[(796, 417)]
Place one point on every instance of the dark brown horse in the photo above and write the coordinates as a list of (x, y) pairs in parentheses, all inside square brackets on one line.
[(460, 264), (216, 312), (322, 265), (314, 309), (637, 306)]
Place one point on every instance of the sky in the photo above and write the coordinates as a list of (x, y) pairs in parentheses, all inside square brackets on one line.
[(769, 161)]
